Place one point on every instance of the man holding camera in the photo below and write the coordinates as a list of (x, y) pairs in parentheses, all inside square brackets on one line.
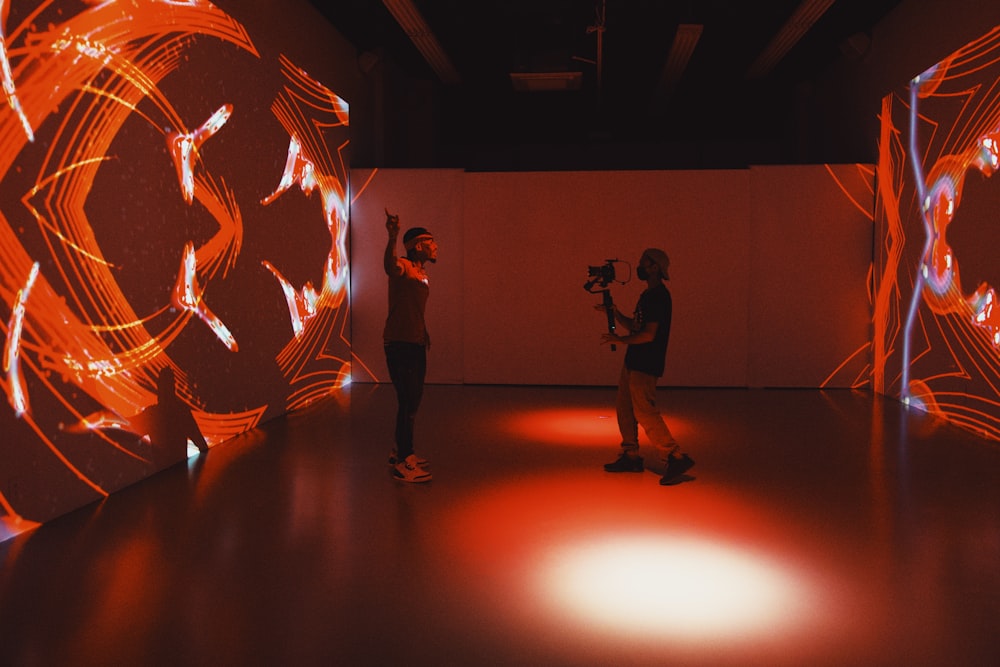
[(645, 358)]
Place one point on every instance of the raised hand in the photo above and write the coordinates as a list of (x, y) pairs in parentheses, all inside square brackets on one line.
[(391, 223)]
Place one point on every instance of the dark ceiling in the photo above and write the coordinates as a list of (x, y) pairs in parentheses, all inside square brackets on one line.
[(712, 107)]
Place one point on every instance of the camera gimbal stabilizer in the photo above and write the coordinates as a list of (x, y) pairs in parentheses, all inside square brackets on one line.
[(600, 277)]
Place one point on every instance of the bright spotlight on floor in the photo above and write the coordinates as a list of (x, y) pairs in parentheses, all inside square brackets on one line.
[(676, 588)]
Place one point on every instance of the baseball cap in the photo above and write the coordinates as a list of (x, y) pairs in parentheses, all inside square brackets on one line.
[(659, 258)]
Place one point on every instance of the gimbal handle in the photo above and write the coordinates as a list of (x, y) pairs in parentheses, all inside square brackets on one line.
[(609, 308)]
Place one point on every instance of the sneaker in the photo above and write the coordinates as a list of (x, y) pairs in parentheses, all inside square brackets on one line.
[(393, 460), (410, 471), (675, 468), (625, 463)]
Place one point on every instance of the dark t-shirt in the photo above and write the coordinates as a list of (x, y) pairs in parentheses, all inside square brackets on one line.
[(655, 305), (408, 292)]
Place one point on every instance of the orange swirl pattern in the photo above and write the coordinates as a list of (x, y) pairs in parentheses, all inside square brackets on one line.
[(937, 340), (120, 154)]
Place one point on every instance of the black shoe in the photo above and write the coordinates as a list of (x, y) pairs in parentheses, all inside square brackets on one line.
[(625, 463), (675, 468)]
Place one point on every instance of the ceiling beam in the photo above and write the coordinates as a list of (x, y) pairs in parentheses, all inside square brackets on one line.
[(800, 22), (413, 24), (685, 40)]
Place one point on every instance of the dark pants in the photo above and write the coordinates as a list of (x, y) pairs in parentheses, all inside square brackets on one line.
[(407, 364)]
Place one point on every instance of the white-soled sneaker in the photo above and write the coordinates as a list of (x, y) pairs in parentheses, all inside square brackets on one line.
[(410, 471), (393, 460)]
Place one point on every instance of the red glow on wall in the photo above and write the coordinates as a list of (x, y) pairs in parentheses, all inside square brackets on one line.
[(142, 174), (937, 329)]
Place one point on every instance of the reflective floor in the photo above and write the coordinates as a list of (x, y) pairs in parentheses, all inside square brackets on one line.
[(821, 528)]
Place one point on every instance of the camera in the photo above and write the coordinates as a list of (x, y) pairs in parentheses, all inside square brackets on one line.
[(601, 276)]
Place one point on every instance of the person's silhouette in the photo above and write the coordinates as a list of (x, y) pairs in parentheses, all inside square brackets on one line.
[(168, 424)]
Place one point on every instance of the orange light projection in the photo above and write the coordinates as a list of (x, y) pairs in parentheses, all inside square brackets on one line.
[(630, 572), (149, 224), (573, 427), (937, 330)]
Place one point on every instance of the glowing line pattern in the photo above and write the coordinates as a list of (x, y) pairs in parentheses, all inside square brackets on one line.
[(184, 148), (937, 343), (305, 109), (11, 366), (188, 296), (7, 78), (79, 87), (301, 305)]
